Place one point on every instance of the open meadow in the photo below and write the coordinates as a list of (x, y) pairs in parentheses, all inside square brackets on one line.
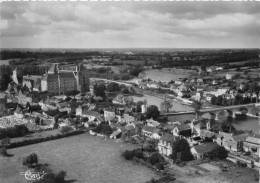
[(85, 158)]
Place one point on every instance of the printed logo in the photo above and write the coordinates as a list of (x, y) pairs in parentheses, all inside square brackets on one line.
[(33, 175)]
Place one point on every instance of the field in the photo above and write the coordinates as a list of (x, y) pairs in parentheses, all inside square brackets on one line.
[(85, 159), (168, 74), (134, 62)]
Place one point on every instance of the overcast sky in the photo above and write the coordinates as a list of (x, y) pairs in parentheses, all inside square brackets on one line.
[(130, 24)]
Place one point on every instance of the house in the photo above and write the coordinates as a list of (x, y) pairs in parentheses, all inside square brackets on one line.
[(208, 97), (220, 138), (120, 99), (151, 132), (235, 143), (183, 129), (91, 115), (165, 144), (219, 68), (202, 150), (116, 134), (19, 112), (152, 123), (207, 135), (228, 76), (109, 113), (128, 118), (199, 80), (219, 91), (252, 144), (209, 70), (154, 85)]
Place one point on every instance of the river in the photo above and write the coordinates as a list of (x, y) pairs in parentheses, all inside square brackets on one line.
[(240, 122)]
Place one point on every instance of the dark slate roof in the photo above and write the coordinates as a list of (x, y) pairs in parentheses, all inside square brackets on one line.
[(91, 113), (169, 137), (18, 110), (206, 148), (206, 133), (242, 137), (68, 75), (65, 75), (183, 127), (150, 129), (129, 127)]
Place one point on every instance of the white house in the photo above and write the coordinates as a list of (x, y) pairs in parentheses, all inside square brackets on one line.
[(152, 123), (219, 68), (91, 115), (151, 132), (153, 85), (165, 144), (109, 113)]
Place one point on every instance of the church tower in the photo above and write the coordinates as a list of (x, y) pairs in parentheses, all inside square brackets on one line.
[(83, 79), (14, 76)]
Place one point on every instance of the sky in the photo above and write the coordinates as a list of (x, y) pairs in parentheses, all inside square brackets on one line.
[(130, 24)]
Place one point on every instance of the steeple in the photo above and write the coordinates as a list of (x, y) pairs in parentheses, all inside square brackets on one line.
[(14, 76)]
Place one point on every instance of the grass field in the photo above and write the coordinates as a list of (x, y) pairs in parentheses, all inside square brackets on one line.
[(85, 159), (168, 74)]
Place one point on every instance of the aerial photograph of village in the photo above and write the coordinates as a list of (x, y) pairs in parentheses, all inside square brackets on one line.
[(129, 92)]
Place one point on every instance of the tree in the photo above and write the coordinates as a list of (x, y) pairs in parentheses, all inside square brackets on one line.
[(37, 120), (181, 149), (3, 151), (213, 100), (197, 106), (152, 112), (220, 152), (125, 91), (113, 87), (30, 160), (99, 90), (60, 177), (6, 142), (166, 105), (66, 129), (219, 100), (139, 106), (106, 129), (129, 101), (156, 158)]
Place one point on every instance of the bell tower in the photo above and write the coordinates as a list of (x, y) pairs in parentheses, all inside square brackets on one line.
[(14, 76)]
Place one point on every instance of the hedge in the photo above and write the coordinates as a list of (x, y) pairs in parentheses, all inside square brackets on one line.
[(43, 139)]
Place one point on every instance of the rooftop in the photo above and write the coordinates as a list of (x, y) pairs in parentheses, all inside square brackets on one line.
[(204, 148), (169, 137)]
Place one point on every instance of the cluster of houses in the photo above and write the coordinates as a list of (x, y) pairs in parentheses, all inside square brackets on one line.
[(201, 89)]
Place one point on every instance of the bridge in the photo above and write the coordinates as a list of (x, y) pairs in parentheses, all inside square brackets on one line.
[(214, 112), (111, 81)]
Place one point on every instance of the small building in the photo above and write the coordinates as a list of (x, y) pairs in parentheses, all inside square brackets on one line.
[(152, 123), (19, 112), (235, 143), (116, 134), (183, 129), (151, 132), (109, 113), (202, 150), (165, 144), (91, 115), (252, 144), (120, 99), (221, 137), (207, 135)]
